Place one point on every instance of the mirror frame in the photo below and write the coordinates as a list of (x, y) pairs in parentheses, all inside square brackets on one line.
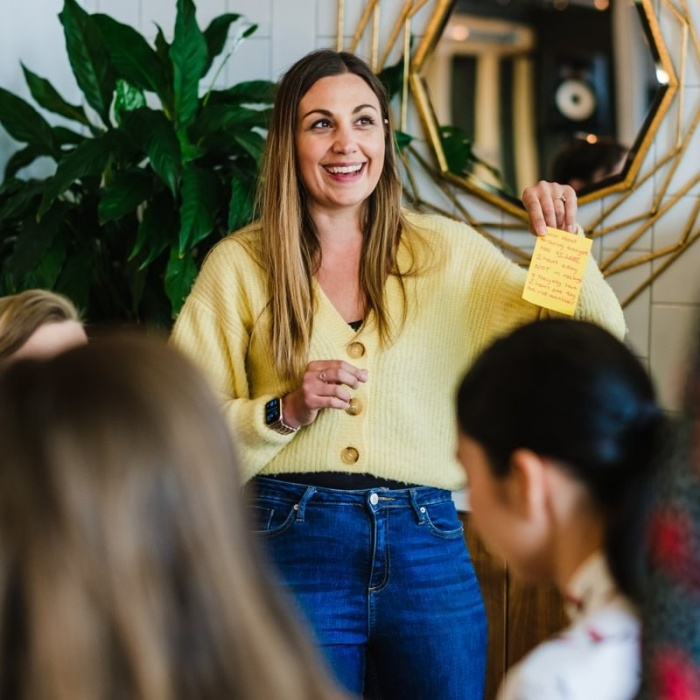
[(610, 221), (664, 98)]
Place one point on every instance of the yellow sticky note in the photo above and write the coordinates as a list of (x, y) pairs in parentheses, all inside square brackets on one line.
[(556, 271)]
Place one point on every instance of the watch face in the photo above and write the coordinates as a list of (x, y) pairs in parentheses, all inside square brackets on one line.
[(272, 411)]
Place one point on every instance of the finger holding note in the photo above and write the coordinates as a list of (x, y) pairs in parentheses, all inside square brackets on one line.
[(550, 204)]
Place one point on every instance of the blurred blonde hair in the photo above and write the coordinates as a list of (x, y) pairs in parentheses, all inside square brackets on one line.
[(22, 314), (127, 569)]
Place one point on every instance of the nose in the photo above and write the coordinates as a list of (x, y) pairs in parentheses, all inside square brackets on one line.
[(344, 142)]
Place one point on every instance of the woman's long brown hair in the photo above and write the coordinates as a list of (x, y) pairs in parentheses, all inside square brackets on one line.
[(290, 247)]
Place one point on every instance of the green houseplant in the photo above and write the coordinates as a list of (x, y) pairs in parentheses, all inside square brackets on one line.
[(156, 170)]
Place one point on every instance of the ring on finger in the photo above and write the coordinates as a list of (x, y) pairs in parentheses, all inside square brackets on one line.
[(562, 197), (322, 377)]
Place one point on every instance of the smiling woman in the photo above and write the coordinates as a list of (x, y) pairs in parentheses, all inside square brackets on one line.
[(335, 330)]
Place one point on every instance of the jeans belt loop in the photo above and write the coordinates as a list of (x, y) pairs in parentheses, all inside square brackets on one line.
[(301, 506), (420, 511)]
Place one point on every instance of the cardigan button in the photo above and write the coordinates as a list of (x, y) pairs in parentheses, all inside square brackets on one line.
[(356, 350), (349, 455), (355, 407)]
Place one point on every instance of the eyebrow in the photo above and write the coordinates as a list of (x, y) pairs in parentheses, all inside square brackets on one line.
[(327, 113)]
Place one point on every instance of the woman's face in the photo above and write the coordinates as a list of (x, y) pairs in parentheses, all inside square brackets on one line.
[(339, 143), (495, 506), (488, 502)]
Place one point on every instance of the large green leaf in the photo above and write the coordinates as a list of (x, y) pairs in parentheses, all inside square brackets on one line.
[(179, 277), (24, 123), (201, 200), (402, 139), (19, 199), (157, 229), (36, 240), (66, 137), (392, 78), (155, 134), (241, 204), (163, 53), (21, 159), (252, 143), (189, 56), (133, 59), (89, 159), (129, 98), (46, 96), (88, 58), (248, 92), (75, 279), (228, 118), (124, 193), (215, 35), (45, 274), (460, 155), (162, 45), (136, 280), (457, 147)]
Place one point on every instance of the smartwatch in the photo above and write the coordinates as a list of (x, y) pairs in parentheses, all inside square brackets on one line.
[(274, 418)]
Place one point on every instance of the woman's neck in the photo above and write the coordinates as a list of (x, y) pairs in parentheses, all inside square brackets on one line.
[(577, 526), (340, 239), (577, 541), (338, 227)]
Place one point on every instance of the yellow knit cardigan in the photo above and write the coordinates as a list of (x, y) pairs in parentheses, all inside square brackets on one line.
[(405, 428)]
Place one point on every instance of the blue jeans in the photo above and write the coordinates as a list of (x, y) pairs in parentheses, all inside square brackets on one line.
[(386, 583)]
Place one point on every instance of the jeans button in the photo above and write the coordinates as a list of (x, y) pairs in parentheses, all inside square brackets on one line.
[(374, 499)]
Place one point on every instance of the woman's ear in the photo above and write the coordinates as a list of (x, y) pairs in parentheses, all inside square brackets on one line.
[(527, 484)]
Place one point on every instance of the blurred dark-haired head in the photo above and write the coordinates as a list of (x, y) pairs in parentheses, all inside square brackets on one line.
[(582, 163), (570, 391)]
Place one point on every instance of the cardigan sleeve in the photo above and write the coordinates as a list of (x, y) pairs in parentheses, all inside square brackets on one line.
[(495, 286), (214, 328)]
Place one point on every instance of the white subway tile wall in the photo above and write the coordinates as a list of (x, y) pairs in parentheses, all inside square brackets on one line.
[(660, 319)]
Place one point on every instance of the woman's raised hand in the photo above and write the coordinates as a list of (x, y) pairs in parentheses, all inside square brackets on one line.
[(550, 204), (322, 386)]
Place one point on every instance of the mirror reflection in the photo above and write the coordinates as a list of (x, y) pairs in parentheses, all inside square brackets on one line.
[(524, 90)]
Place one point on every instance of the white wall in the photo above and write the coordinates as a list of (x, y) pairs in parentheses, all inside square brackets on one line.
[(659, 319)]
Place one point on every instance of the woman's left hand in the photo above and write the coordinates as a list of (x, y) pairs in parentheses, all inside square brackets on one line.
[(550, 204)]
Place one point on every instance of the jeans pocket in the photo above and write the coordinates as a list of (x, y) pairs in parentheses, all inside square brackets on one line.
[(270, 520), (443, 521)]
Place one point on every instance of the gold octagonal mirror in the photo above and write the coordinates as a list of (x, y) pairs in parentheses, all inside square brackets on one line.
[(506, 87)]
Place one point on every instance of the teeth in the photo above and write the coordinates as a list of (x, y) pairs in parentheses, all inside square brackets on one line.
[(343, 169)]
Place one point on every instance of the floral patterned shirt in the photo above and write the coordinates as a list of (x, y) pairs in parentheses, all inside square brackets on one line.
[(596, 658)]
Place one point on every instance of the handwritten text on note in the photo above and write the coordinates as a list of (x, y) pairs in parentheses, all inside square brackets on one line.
[(556, 270)]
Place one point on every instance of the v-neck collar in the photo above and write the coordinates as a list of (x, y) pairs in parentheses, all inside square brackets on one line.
[(329, 319)]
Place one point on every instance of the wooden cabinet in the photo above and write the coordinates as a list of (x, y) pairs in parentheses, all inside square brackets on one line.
[(519, 616)]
